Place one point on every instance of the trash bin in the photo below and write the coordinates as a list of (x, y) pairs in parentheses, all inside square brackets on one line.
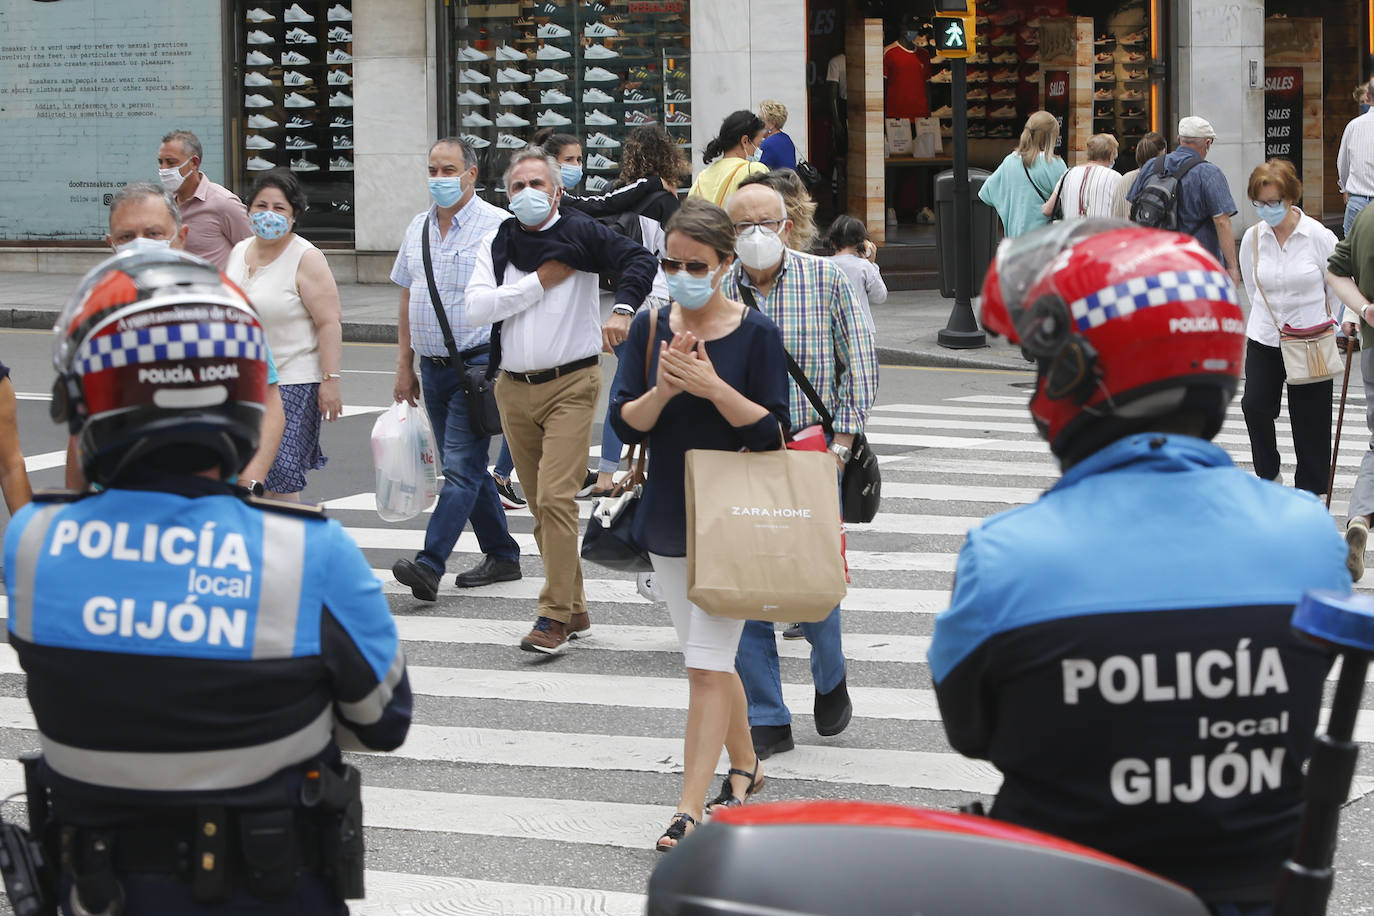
[(984, 235)]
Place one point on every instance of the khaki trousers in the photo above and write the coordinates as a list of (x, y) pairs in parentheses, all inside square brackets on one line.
[(549, 430)]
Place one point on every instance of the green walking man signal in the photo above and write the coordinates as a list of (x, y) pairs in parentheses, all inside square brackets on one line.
[(954, 35)]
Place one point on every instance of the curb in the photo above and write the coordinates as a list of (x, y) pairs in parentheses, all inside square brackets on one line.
[(937, 357)]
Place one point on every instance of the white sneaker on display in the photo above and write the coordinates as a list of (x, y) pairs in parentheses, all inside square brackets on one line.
[(472, 76), (340, 13), (299, 143), (303, 165), (599, 30), (342, 142), (252, 79), (258, 164), (261, 122), (294, 13), (510, 141), (551, 52), (256, 101), (341, 123), (296, 100), (551, 118), (339, 78), (553, 30), (295, 78), (553, 97), (599, 52), (599, 163), (467, 53), (258, 142), (475, 141), (296, 122), (468, 97), (506, 52), (257, 59), (340, 164), (259, 37), (595, 96), (602, 141), (549, 75), (300, 37), (476, 119), (598, 118), (600, 75), (258, 14), (340, 35), (294, 59), (598, 185), (511, 119), (511, 97), (511, 75), (340, 56)]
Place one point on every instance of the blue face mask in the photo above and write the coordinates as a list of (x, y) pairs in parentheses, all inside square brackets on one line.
[(911, 37), (446, 191), (1273, 214), (756, 155), (572, 174), (268, 224), (691, 292), (531, 206)]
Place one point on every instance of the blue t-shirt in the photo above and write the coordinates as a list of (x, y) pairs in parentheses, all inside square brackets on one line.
[(751, 360), (778, 151), (1202, 195)]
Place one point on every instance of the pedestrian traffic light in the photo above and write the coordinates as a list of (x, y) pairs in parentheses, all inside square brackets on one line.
[(954, 35)]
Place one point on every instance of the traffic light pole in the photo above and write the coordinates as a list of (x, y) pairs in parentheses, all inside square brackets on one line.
[(961, 332)]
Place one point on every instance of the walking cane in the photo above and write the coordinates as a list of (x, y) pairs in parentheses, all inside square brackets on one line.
[(1352, 345)]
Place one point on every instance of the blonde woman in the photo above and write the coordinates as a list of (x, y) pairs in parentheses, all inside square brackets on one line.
[(1088, 189), (779, 152), (1027, 177)]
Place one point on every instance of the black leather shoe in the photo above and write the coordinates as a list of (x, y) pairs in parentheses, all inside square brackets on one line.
[(423, 581), (488, 571), (771, 739), (833, 710)]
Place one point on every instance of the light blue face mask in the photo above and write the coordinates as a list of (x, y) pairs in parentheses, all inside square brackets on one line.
[(1273, 214), (446, 191), (756, 155), (268, 224), (572, 174), (691, 292), (531, 206)]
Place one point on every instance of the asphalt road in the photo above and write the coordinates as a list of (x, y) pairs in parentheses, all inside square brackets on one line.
[(538, 786)]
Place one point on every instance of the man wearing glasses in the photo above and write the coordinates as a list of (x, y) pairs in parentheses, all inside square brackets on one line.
[(827, 333)]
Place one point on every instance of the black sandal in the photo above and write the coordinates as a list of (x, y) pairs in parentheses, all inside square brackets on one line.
[(727, 797), (677, 829)]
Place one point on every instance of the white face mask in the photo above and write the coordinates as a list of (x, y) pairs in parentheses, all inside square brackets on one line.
[(142, 244), (172, 179), (759, 248)]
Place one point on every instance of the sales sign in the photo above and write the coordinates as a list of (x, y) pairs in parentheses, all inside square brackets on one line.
[(88, 88), (1057, 104), (1283, 114)]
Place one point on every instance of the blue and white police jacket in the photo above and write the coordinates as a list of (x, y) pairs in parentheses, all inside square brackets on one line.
[(188, 646), (1120, 649)]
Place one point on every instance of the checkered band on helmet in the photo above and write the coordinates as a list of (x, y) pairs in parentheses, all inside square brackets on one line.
[(157, 349), (1125, 323)]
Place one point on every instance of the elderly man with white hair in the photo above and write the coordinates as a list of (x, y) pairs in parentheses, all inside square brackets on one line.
[(827, 332), (537, 275), (1205, 206)]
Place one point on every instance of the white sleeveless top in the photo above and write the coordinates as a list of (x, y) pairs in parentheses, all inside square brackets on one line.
[(290, 329)]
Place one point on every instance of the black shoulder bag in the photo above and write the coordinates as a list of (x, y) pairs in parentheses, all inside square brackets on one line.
[(861, 487), (478, 385)]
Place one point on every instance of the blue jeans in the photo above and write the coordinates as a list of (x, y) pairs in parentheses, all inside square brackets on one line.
[(1353, 206), (611, 446), (469, 493), (756, 660), (504, 462)]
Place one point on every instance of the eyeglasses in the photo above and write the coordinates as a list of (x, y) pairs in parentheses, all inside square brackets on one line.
[(772, 225), (695, 268), (1266, 203)]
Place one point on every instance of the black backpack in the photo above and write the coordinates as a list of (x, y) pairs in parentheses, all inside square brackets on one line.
[(628, 225), (1156, 204)]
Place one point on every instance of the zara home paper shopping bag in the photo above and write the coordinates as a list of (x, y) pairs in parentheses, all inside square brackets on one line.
[(763, 534)]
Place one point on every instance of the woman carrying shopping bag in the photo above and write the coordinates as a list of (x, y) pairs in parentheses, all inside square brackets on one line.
[(721, 384)]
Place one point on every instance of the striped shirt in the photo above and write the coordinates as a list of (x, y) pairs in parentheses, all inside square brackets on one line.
[(453, 256), (826, 331), (1355, 160), (1088, 190)]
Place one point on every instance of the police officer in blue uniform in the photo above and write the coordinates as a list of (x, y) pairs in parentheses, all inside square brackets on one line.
[(195, 656), (1120, 648)]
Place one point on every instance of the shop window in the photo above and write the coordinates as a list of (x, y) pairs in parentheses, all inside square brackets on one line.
[(595, 70), (297, 104)]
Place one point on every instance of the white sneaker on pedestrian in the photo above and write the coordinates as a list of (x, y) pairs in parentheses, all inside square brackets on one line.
[(1356, 540), (646, 583)]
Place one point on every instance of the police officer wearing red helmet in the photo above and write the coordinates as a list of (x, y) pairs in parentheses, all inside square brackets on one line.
[(1120, 648), (194, 656)]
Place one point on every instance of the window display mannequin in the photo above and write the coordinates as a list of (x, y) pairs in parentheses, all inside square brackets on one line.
[(906, 67)]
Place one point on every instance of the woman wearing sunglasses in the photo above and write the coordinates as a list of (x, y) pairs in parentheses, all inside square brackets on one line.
[(720, 381)]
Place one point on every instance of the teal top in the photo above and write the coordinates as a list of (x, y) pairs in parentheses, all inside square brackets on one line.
[(1011, 194)]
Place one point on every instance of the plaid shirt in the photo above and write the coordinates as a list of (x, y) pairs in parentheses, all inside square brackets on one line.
[(453, 256), (825, 329)]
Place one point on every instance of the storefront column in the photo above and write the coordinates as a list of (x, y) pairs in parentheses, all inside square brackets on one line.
[(866, 194), (394, 105), (1217, 39)]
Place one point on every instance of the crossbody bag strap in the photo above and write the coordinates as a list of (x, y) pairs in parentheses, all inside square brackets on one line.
[(725, 188), (1259, 286), (1042, 194), (637, 459), (454, 357), (798, 376)]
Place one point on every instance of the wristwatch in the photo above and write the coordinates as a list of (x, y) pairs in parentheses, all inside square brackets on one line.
[(621, 308), (842, 452)]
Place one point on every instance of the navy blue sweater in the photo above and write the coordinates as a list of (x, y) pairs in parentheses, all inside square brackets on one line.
[(752, 360)]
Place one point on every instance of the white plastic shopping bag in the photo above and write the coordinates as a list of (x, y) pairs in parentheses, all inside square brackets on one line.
[(406, 457)]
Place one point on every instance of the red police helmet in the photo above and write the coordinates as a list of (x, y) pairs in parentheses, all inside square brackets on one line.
[(1126, 324), (158, 349)]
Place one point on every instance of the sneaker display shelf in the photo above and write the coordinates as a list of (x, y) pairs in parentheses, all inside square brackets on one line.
[(595, 70), (301, 81), (1121, 79)]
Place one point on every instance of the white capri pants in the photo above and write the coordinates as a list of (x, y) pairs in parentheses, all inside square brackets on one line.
[(707, 642)]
